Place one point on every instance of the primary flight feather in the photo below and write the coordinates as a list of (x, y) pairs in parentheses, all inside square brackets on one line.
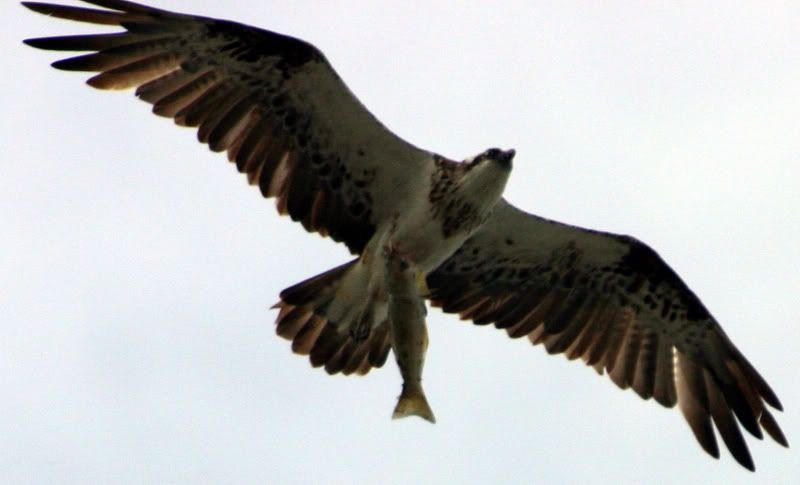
[(281, 113)]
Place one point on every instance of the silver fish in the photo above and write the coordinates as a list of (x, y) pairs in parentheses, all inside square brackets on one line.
[(409, 335)]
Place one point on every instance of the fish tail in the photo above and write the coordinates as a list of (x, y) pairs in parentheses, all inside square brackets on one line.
[(413, 403)]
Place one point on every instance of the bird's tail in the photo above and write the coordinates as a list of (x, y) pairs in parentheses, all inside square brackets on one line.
[(412, 402), (319, 314)]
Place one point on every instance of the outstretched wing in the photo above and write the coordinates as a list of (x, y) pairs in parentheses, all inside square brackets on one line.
[(272, 102), (612, 301)]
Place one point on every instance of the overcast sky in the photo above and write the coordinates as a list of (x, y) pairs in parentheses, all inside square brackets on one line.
[(137, 268)]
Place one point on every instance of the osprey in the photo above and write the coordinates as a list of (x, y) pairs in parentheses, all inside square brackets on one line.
[(281, 113)]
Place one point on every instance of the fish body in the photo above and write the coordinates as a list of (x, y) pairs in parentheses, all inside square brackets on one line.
[(409, 336)]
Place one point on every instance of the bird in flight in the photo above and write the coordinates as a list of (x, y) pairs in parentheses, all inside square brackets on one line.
[(281, 113)]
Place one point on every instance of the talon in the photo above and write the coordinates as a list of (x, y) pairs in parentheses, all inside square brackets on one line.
[(360, 332)]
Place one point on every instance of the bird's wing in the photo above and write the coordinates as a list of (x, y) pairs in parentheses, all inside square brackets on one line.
[(272, 102), (612, 301)]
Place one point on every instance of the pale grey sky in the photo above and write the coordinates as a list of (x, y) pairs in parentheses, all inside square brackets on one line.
[(137, 269)]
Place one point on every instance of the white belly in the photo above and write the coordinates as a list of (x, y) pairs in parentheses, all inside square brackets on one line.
[(420, 238)]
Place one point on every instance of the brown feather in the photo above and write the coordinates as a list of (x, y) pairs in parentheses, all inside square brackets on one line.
[(203, 106), (621, 369), (617, 333), (588, 333), (125, 6), (725, 423), (464, 301), (173, 103), (96, 62), (769, 424), (693, 402), (336, 362), (230, 126), (307, 337), (577, 321), (664, 388), (275, 169), (135, 73), (380, 350), (327, 345), (500, 305), (81, 14), (315, 222), (252, 150), (300, 190), (217, 113), (281, 181), (163, 86), (91, 42), (645, 371), (606, 322), (358, 356), (535, 316), (291, 320)]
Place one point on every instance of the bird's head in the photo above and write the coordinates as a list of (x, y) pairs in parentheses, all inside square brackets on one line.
[(493, 156), (486, 176)]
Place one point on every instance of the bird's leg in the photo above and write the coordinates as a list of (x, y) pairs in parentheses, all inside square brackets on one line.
[(363, 326), (374, 258)]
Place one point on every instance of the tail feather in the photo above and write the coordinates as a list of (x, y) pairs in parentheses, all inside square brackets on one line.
[(310, 290), (413, 403), (302, 319)]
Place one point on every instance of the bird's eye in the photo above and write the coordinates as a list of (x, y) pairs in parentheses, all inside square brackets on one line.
[(493, 153)]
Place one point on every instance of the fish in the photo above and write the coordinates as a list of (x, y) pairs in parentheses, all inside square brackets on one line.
[(409, 335)]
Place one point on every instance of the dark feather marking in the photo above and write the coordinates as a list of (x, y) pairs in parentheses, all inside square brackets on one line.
[(250, 44), (641, 259)]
